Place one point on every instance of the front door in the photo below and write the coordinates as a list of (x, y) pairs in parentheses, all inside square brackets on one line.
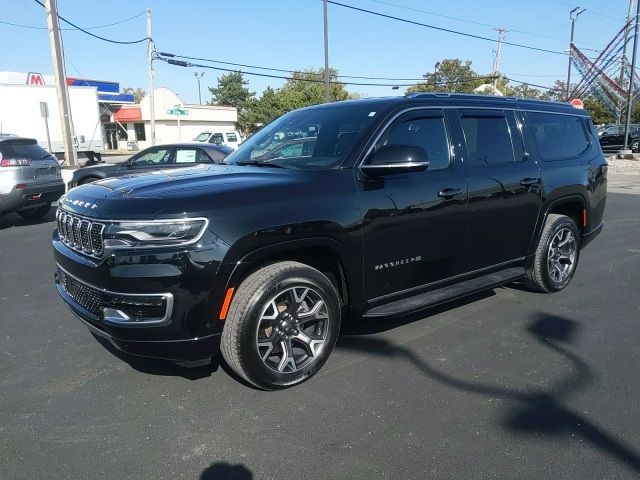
[(414, 223), (504, 187)]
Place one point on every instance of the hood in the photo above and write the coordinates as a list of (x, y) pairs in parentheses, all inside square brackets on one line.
[(167, 191)]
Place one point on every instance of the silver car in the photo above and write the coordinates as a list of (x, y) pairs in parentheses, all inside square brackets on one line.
[(30, 178)]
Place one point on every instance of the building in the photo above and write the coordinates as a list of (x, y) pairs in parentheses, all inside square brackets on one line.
[(124, 125), (131, 125)]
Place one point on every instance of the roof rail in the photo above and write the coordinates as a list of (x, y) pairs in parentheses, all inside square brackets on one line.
[(459, 95)]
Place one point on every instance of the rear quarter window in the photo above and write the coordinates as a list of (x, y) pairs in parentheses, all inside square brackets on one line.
[(558, 137)]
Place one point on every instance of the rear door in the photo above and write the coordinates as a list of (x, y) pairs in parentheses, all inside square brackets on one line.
[(504, 187), (188, 156), (612, 137)]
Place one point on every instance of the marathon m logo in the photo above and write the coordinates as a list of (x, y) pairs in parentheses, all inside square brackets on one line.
[(35, 79), (397, 263)]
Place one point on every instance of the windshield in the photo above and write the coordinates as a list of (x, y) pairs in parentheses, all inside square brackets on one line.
[(318, 138), (202, 137)]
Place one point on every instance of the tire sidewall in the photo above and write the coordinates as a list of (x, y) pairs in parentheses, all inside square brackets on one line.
[(253, 366), (564, 222)]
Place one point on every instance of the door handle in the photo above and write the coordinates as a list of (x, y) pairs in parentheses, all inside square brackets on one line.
[(449, 192), (527, 182)]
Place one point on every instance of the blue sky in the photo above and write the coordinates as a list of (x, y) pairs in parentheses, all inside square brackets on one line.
[(288, 34)]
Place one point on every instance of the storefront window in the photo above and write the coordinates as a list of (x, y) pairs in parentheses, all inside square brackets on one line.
[(139, 129)]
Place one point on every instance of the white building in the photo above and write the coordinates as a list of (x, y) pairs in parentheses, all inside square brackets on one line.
[(131, 127)]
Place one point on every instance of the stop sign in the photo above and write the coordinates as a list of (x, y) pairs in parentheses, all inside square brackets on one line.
[(577, 103)]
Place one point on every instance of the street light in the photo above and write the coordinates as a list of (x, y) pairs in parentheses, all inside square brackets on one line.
[(198, 77), (573, 15)]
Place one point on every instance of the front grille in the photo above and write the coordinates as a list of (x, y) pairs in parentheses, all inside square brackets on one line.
[(139, 308), (84, 295), (80, 234)]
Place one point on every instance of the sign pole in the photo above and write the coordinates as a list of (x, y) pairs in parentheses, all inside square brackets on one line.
[(633, 75), (44, 112)]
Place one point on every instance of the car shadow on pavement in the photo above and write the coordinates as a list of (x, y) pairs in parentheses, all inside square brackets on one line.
[(14, 220), (533, 412), (155, 366), (224, 471)]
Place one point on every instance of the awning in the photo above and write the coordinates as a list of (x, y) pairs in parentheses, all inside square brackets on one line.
[(128, 114)]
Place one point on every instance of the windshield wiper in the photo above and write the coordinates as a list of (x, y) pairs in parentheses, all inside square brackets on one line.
[(260, 163)]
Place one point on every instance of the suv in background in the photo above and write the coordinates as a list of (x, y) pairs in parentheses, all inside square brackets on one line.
[(231, 139), (170, 156), (612, 137), (30, 178), (397, 204)]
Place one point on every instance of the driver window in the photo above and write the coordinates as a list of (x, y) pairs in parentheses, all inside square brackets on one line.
[(154, 156), (430, 133)]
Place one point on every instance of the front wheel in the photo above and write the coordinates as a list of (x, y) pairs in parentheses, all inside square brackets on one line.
[(282, 325), (557, 255), (635, 146)]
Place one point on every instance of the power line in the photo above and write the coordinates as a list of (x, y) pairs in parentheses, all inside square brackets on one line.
[(442, 29), (35, 27), (93, 34), (473, 22), (170, 59)]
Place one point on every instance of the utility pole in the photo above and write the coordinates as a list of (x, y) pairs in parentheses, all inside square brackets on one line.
[(198, 77), (57, 57), (623, 62), (152, 105), (633, 74), (327, 97), (573, 15), (496, 59)]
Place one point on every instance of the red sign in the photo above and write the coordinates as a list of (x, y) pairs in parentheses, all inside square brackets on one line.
[(35, 79), (577, 103)]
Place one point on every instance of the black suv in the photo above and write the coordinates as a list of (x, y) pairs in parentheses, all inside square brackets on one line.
[(400, 204), (612, 137)]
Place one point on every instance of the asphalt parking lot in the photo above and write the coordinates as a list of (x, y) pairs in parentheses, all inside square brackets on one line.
[(506, 384)]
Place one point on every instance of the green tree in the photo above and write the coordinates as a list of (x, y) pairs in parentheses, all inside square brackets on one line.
[(450, 75), (138, 93), (597, 110), (522, 90), (232, 91)]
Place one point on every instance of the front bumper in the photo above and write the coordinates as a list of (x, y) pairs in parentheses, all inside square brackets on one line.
[(32, 195), (184, 326)]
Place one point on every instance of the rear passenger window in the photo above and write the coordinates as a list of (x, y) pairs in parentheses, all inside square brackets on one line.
[(427, 132), (558, 137), (488, 139), (231, 137)]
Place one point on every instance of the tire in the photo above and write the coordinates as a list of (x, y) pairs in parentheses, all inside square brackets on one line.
[(35, 213), (262, 340), (635, 146), (86, 180), (556, 257)]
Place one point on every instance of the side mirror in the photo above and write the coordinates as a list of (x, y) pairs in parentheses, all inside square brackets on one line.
[(394, 159)]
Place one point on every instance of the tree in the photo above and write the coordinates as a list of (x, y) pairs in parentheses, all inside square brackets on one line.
[(597, 110), (138, 93), (523, 90), (450, 75), (232, 91)]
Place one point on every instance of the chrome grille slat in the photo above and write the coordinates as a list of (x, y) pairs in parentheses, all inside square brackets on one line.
[(81, 234)]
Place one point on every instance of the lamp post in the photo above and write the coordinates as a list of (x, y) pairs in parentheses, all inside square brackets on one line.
[(198, 77), (573, 15), (633, 74)]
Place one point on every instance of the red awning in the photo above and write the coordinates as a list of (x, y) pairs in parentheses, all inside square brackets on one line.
[(128, 114)]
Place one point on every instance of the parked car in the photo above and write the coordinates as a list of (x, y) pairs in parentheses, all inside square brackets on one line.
[(231, 139), (161, 156), (30, 178), (300, 147), (612, 137), (403, 203)]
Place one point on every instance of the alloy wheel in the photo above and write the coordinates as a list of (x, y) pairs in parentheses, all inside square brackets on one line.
[(561, 258)]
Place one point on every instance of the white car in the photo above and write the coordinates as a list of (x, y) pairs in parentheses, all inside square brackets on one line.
[(229, 139)]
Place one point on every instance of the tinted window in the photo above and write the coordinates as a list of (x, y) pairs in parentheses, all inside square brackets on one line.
[(22, 150), (231, 137), (488, 140), (139, 129), (153, 156), (557, 136), (427, 132)]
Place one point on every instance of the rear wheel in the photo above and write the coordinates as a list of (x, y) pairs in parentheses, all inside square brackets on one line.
[(282, 325), (557, 255), (635, 146), (37, 212)]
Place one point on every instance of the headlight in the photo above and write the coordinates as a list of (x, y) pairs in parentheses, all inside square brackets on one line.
[(154, 233)]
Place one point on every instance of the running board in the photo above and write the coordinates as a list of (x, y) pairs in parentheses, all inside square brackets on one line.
[(445, 294)]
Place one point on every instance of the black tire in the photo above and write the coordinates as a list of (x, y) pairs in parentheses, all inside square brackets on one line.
[(86, 180), (635, 146), (540, 277), (253, 298), (34, 213)]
